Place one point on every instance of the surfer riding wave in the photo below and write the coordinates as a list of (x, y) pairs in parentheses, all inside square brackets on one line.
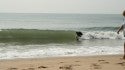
[(78, 35)]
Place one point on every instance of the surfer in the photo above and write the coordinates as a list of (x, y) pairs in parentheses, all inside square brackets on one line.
[(123, 28), (78, 35)]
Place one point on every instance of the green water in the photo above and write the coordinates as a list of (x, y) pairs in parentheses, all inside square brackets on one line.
[(33, 36)]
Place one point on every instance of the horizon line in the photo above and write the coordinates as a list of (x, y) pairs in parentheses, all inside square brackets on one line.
[(50, 13)]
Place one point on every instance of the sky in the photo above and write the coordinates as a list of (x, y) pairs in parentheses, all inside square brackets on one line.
[(63, 6)]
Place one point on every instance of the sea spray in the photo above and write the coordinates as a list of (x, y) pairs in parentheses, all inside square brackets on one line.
[(101, 35)]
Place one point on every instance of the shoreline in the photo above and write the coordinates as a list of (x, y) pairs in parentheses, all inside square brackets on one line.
[(59, 57), (100, 62)]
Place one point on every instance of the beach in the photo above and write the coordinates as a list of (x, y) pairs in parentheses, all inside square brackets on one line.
[(103, 62)]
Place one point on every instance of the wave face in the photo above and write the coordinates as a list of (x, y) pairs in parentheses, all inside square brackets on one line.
[(101, 35), (36, 36)]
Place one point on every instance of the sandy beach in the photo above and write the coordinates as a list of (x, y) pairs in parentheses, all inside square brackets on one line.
[(109, 62)]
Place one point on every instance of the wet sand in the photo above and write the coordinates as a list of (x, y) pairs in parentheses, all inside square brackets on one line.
[(107, 62)]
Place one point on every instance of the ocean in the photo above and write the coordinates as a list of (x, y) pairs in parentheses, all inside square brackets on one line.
[(39, 35)]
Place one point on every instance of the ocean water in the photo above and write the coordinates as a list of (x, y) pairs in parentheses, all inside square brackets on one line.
[(39, 35)]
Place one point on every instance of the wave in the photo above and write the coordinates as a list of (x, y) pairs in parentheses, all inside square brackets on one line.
[(36, 36), (101, 35)]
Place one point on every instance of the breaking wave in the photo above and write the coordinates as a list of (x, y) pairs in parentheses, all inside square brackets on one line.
[(101, 35)]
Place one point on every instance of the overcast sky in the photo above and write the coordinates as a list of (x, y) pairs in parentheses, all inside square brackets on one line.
[(62, 6)]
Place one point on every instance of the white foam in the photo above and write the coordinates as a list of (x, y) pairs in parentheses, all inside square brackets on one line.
[(58, 50), (102, 35)]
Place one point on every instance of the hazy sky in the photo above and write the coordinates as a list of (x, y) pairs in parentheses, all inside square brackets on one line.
[(62, 6)]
